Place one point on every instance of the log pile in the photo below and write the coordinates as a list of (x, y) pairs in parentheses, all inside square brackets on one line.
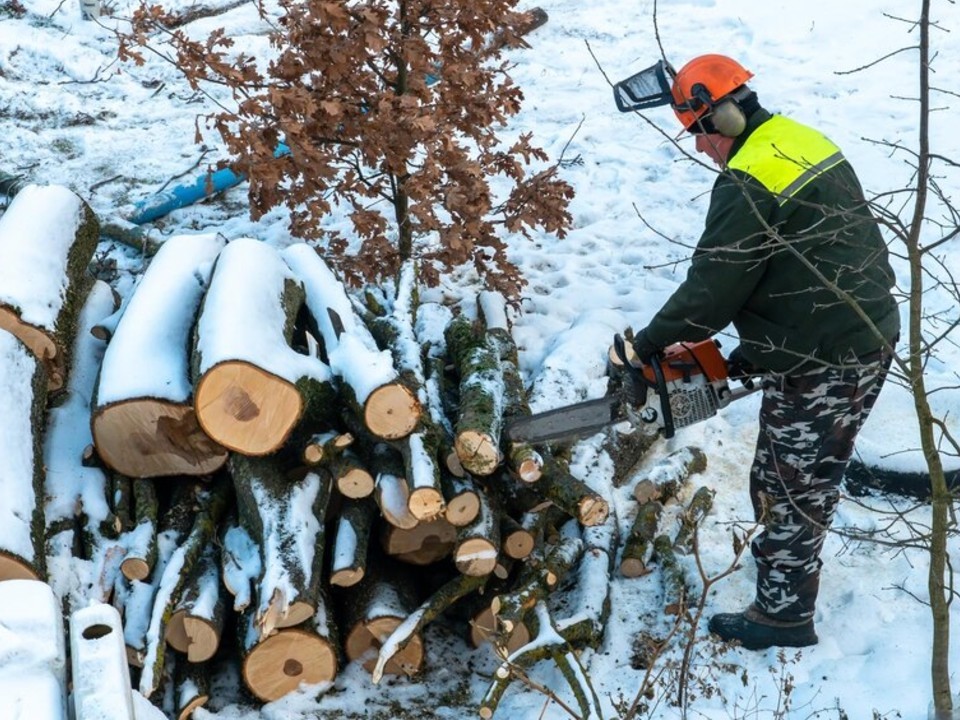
[(292, 478), (268, 470)]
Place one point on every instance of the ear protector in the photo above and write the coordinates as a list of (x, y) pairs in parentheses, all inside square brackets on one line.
[(728, 118), (724, 116)]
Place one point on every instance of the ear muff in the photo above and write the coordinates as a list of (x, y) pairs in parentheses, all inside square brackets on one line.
[(728, 118)]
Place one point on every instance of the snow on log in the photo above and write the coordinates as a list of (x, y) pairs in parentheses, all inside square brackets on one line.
[(141, 541), (480, 414), (285, 520), (32, 650), (196, 623), (664, 480), (192, 688), (425, 494), (277, 665), (23, 387), (240, 564), (252, 388), (392, 493), (388, 408), (144, 421), (100, 676), (47, 238)]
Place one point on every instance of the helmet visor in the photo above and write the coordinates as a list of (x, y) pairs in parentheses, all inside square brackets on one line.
[(647, 89)]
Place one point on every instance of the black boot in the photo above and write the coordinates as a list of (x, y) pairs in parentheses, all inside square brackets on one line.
[(756, 631)]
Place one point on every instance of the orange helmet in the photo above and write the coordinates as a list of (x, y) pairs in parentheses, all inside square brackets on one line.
[(702, 82)]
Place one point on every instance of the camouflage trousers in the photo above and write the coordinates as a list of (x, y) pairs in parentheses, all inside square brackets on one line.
[(808, 424)]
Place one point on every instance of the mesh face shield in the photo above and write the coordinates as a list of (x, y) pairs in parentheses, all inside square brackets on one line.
[(649, 88)]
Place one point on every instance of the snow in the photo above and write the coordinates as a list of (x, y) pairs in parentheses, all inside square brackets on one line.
[(115, 133)]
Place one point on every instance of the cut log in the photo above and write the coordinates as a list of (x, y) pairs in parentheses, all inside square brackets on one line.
[(425, 496), (277, 665), (192, 688), (373, 610), (523, 459), (483, 629), (392, 493), (196, 624), (144, 422), (461, 499), (252, 388), (572, 495), (480, 415), (47, 238), (23, 387), (351, 476), (671, 576), (324, 447), (517, 541), (425, 543), (690, 520), (349, 561), (478, 544), (636, 547), (664, 480), (388, 408), (141, 542), (410, 629), (284, 519)]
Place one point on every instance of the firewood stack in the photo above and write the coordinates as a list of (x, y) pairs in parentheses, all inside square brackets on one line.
[(293, 478)]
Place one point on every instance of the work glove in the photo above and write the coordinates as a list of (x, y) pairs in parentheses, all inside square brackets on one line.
[(644, 347)]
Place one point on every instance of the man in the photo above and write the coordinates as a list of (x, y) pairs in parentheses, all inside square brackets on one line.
[(793, 258)]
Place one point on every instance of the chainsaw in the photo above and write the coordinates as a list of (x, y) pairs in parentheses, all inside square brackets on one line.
[(684, 385)]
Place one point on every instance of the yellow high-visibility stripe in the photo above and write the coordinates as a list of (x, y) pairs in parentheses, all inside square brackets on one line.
[(783, 156)]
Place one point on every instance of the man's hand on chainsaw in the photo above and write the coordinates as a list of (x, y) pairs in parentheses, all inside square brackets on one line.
[(644, 347), (739, 368)]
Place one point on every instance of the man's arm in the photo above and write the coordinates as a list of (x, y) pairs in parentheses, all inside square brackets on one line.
[(727, 264)]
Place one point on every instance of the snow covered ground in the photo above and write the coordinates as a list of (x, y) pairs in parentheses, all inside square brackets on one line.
[(115, 133)]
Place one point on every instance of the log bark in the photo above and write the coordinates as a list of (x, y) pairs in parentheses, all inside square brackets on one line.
[(671, 576), (285, 521), (389, 409), (252, 388), (700, 504), (23, 385), (144, 422), (48, 229)]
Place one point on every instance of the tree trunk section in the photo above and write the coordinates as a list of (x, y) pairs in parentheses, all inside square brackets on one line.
[(50, 228), (252, 388), (389, 409)]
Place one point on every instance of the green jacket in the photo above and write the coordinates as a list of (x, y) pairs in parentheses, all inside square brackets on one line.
[(788, 177)]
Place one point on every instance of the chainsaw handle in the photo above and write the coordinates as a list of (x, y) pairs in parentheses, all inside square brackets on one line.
[(668, 427)]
